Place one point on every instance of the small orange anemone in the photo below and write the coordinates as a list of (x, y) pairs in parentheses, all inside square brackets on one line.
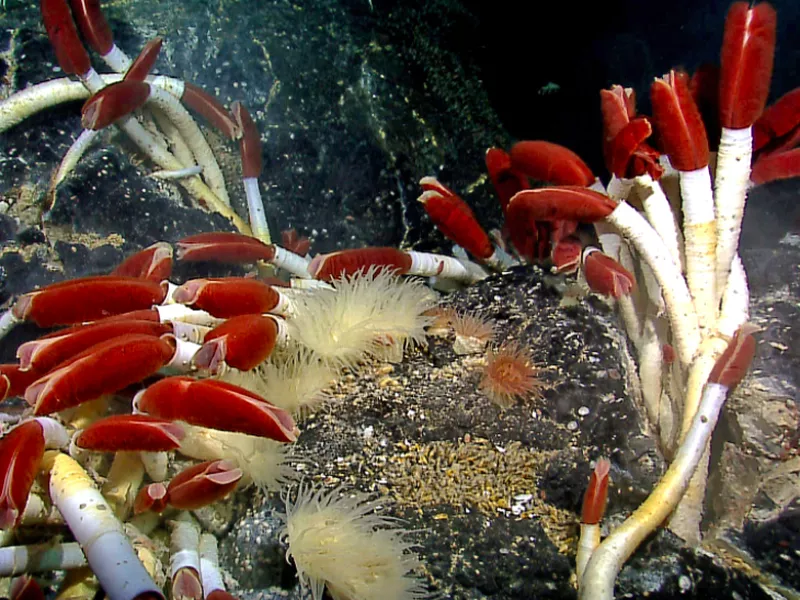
[(510, 375)]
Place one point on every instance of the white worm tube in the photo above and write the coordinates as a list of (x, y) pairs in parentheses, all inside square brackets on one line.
[(72, 158), (184, 542), (180, 312), (209, 564), (700, 238), (117, 59), (100, 534), (191, 133), (618, 189), (179, 174), (190, 332), (285, 307), (255, 207), (735, 300), (38, 558), (7, 322), (500, 260), (155, 464), (55, 435), (181, 361), (679, 305), (184, 561), (588, 541), (310, 284), (36, 98), (293, 263), (659, 214), (166, 131), (426, 264), (730, 189), (123, 481)]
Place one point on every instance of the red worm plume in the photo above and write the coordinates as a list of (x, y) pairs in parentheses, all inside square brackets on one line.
[(70, 53), (113, 102), (731, 367), (594, 499), (250, 142), (748, 48), (678, 121), (210, 108), (143, 63), (93, 25)]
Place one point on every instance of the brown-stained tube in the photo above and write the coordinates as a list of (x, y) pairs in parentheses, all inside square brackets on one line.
[(141, 66), (250, 143), (93, 25), (70, 53), (209, 107)]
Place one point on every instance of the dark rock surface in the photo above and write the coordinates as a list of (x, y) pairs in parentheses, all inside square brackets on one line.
[(355, 103)]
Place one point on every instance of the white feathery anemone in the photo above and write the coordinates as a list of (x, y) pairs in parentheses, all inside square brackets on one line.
[(339, 542), (262, 461), (370, 314), (296, 383)]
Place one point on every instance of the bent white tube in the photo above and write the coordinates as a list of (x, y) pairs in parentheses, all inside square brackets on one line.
[(679, 305), (659, 214), (29, 101), (100, 534), (190, 132), (72, 157), (36, 98), (608, 558)]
